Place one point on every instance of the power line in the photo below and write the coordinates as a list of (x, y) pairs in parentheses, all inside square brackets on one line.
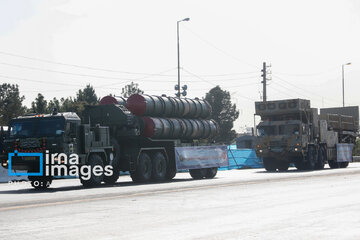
[(292, 90), (63, 72), (284, 93), (50, 90), (112, 78), (39, 81), (111, 70), (307, 74), (301, 94), (312, 93), (227, 74), (198, 89), (137, 79), (219, 49), (214, 84), (72, 65)]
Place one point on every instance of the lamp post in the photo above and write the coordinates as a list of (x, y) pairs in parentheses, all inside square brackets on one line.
[(343, 77), (178, 52)]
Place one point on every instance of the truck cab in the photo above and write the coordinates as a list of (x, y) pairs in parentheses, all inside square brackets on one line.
[(281, 135), (50, 134)]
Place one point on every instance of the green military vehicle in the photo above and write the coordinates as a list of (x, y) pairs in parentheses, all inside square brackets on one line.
[(158, 137), (290, 131), (49, 134)]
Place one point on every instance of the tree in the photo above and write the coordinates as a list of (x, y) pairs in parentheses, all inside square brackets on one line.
[(67, 105), (10, 103), (54, 103), (223, 112), (130, 89), (87, 95), (39, 105)]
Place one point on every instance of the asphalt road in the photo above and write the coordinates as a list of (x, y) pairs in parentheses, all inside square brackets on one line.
[(237, 204)]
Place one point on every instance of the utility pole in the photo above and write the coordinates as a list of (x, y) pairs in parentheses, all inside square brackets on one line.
[(264, 72), (343, 80)]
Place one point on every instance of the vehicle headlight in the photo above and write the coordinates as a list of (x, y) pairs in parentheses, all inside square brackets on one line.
[(260, 150), (296, 149), (4, 164)]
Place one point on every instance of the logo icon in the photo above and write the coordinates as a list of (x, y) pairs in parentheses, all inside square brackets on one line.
[(25, 156)]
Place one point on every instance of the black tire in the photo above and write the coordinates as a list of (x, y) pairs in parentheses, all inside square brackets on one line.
[(283, 166), (299, 164), (321, 159), (269, 164), (143, 170), (310, 158), (159, 167), (170, 173), (198, 173), (40, 182), (333, 164), (112, 179), (115, 163), (94, 160), (343, 164), (211, 172)]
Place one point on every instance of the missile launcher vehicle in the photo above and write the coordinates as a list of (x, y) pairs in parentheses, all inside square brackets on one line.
[(291, 132)]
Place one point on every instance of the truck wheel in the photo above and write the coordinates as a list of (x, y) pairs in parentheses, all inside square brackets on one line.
[(113, 178), (159, 167), (310, 158), (91, 180), (170, 173), (283, 166), (343, 164), (143, 169), (321, 159), (333, 164), (40, 182), (269, 164), (299, 164), (198, 173), (211, 172), (115, 163)]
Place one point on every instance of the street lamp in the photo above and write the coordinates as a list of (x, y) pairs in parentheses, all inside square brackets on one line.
[(178, 53), (343, 92)]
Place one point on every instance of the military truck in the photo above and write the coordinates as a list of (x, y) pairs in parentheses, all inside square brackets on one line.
[(154, 136), (159, 137), (290, 131), (53, 133)]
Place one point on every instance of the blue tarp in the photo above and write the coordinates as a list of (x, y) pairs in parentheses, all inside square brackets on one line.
[(242, 158)]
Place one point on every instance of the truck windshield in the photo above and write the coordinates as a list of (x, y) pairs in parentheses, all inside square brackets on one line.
[(266, 130), (22, 129), (39, 127), (289, 129)]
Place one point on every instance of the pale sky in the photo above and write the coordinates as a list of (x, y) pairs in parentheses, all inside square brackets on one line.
[(56, 47)]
